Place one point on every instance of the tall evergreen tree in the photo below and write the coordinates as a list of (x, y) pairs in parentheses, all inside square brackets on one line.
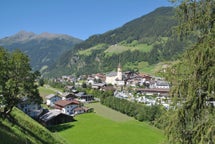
[(193, 77)]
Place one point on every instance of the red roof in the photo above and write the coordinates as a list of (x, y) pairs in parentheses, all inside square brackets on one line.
[(63, 103)]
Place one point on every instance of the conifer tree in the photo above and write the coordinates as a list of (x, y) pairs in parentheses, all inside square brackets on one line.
[(192, 121)]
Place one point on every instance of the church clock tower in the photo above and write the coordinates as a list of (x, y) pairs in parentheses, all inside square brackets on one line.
[(119, 72)]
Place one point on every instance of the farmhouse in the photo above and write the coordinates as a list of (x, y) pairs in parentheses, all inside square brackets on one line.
[(54, 117), (68, 95), (30, 108), (51, 99), (84, 97), (67, 106)]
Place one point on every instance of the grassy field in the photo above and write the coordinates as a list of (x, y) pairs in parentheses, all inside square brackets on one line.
[(100, 128), (108, 113), (88, 52), (21, 129), (46, 90), (116, 49)]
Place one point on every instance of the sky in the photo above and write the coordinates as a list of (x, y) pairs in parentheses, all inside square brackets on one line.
[(77, 18)]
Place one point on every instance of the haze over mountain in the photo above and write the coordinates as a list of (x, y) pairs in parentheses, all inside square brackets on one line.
[(43, 49), (141, 42)]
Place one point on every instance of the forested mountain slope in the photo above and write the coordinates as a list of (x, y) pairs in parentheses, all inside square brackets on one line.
[(144, 41), (43, 49)]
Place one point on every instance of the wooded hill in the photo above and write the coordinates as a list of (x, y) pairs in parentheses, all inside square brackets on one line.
[(144, 41)]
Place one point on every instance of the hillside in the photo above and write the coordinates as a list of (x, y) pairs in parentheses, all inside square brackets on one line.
[(144, 41), (22, 129), (43, 49)]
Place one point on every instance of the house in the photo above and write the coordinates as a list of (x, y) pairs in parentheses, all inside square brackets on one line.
[(98, 85), (162, 85), (69, 88), (67, 106), (84, 97), (51, 99), (31, 108), (68, 95), (54, 117), (80, 110)]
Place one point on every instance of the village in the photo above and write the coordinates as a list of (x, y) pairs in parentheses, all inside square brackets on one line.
[(63, 106)]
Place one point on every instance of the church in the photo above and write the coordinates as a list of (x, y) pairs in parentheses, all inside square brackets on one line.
[(115, 78)]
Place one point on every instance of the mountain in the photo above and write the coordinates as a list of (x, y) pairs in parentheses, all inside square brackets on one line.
[(137, 45), (42, 49)]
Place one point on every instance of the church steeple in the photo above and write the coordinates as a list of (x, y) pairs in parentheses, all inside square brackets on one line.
[(119, 72)]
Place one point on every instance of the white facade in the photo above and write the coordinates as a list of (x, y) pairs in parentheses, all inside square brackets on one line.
[(115, 78), (69, 109), (30, 108), (51, 99)]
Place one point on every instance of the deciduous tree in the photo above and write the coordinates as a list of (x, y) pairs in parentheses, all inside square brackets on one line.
[(17, 81)]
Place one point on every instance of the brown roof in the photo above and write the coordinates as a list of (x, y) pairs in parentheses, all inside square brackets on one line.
[(63, 103), (154, 90)]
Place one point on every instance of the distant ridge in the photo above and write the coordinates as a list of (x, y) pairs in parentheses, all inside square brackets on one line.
[(43, 49)]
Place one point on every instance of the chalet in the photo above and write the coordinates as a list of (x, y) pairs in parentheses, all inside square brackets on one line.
[(68, 95), (54, 117), (69, 88), (160, 84), (67, 106), (100, 76), (31, 108), (98, 85), (80, 110), (84, 97), (51, 99)]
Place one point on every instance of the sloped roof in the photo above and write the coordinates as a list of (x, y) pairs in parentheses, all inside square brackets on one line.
[(50, 96), (63, 103), (111, 74), (51, 114)]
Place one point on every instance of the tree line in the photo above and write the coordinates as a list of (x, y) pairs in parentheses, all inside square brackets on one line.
[(139, 111)]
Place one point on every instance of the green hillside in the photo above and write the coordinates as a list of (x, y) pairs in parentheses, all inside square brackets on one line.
[(21, 129), (141, 43)]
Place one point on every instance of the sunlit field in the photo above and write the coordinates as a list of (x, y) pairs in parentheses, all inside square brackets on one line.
[(98, 128)]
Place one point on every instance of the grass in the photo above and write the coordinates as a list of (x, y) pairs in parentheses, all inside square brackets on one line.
[(143, 67), (88, 52), (116, 49), (100, 128), (46, 90), (109, 113), (19, 128)]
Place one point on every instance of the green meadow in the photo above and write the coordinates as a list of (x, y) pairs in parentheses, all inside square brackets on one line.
[(100, 128)]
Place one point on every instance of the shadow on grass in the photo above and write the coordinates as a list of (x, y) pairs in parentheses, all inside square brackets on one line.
[(61, 127)]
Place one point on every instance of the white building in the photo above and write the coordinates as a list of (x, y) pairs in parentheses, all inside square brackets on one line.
[(115, 78), (67, 107), (30, 108), (51, 99)]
